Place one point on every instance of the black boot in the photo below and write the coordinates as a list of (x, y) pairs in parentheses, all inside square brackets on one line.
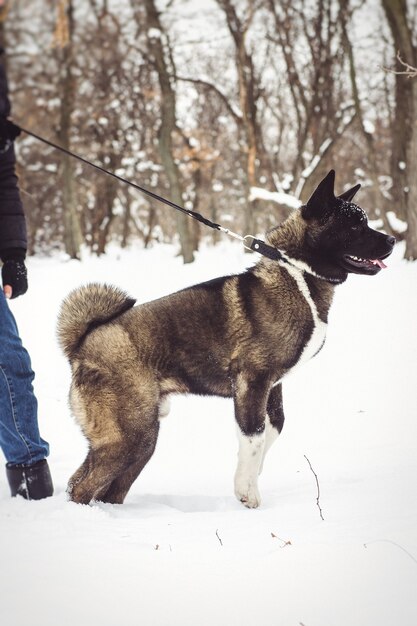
[(33, 482)]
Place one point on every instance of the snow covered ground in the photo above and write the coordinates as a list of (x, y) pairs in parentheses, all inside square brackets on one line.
[(182, 551)]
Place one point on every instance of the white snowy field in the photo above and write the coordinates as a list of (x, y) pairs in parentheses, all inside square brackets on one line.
[(182, 551)]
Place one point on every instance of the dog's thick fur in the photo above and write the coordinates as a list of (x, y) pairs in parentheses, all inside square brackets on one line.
[(235, 336)]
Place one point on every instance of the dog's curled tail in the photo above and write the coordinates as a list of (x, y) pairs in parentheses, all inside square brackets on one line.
[(84, 309)]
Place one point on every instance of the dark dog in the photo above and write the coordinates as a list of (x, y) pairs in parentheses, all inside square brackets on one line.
[(235, 336)]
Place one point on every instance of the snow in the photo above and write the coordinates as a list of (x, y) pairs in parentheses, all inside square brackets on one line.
[(154, 33), (306, 173), (396, 223), (181, 550), (369, 126), (275, 196)]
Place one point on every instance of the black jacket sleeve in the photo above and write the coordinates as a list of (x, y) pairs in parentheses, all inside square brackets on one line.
[(12, 218), (4, 91)]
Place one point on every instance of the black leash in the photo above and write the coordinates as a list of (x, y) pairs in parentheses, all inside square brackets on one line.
[(249, 241)]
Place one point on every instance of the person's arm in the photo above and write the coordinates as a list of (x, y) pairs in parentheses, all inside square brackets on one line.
[(13, 237)]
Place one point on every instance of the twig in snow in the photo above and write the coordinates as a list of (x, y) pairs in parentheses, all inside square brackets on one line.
[(284, 543), (318, 488), (157, 547), (218, 537), (394, 544)]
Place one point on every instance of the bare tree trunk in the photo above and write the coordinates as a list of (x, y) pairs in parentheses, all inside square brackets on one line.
[(411, 234), (72, 228), (127, 215), (322, 116), (248, 104), (105, 196), (396, 13), (378, 200), (168, 125), (404, 131), (151, 223)]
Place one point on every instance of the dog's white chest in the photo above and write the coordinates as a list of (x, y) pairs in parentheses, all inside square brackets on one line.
[(318, 335), (315, 343)]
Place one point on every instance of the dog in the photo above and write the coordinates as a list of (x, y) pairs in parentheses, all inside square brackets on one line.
[(237, 336)]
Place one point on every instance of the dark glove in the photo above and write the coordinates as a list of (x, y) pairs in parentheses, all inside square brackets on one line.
[(14, 273), (8, 133)]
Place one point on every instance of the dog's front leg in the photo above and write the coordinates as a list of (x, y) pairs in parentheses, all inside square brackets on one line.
[(250, 398), (274, 419)]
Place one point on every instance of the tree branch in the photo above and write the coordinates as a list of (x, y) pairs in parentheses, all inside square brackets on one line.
[(410, 71), (235, 113)]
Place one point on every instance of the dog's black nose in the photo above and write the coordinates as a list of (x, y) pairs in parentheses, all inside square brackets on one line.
[(390, 240)]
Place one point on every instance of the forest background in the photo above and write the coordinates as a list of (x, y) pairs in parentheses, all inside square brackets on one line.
[(232, 108)]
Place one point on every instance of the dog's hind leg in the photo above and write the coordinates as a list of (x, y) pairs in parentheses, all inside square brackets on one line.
[(98, 471), (118, 413), (143, 450), (274, 419), (78, 475), (250, 400), (111, 467)]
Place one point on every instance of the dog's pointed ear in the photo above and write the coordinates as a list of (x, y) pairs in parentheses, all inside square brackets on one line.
[(350, 193), (322, 198)]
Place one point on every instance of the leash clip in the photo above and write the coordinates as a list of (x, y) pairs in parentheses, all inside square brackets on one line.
[(250, 243)]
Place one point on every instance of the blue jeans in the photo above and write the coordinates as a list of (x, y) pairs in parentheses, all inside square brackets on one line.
[(19, 432)]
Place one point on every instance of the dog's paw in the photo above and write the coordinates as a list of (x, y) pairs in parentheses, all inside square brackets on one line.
[(248, 495)]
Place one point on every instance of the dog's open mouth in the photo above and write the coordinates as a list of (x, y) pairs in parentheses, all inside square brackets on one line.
[(364, 263)]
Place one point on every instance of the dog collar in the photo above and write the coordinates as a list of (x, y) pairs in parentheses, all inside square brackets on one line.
[(257, 245)]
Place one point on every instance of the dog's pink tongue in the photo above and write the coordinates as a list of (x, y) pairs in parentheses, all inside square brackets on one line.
[(380, 264)]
